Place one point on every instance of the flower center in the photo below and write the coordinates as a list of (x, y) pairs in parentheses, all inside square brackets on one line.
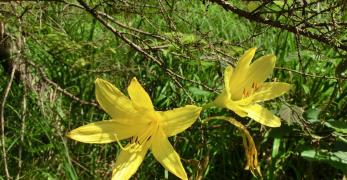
[(251, 90), (140, 140), (143, 138)]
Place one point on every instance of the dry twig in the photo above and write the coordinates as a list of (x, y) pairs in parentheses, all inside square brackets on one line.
[(60, 89), (294, 29), (3, 103), (120, 35)]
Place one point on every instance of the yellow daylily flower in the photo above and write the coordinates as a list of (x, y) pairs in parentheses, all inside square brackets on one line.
[(245, 87), (136, 118)]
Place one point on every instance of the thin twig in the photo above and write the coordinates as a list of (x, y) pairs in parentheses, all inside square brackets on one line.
[(294, 29), (22, 129), (311, 75), (24, 78), (117, 33), (3, 103), (119, 23), (60, 89), (166, 16)]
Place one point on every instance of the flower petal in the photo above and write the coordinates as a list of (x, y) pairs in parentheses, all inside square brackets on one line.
[(228, 72), (179, 119), (221, 99), (113, 101), (262, 115), (139, 96), (240, 74), (245, 60), (236, 108), (267, 91), (104, 132), (166, 155), (271, 90), (260, 70), (256, 74), (127, 163)]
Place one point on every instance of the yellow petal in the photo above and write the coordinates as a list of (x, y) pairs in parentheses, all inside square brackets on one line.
[(113, 101), (139, 96), (127, 163), (240, 74), (256, 74), (245, 60), (259, 70), (104, 132), (266, 92), (271, 90), (179, 119), (166, 155), (262, 115), (221, 99), (232, 105), (228, 72)]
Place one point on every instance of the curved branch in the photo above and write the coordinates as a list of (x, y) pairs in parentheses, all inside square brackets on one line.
[(64, 91), (256, 18), (120, 35)]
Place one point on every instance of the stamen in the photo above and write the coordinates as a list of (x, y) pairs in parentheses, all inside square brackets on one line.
[(244, 93), (135, 148), (258, 86), (251, 90), (138, 142), (144, 137), (121, 146), (254, 85), (146, 134), (247, 93)]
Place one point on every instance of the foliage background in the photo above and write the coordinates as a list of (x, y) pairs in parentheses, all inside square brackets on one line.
[(178, 51)]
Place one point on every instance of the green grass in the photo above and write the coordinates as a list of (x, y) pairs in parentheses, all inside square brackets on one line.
[(74, 50)]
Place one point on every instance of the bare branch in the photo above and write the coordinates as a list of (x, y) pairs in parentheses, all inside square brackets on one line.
[(60, 89), (117, 33), (294, 29), (311, 75), (3, 103)]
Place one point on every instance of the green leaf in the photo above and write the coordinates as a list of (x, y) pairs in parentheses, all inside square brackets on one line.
[(252, 5), (199, 92), (312, 115), (188, 38), (306, 88), (276, 146), (338, 126), (291, 114), (336, 159)]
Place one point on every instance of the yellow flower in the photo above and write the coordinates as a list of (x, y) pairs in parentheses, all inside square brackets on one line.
[(136, 118), (245, 86)]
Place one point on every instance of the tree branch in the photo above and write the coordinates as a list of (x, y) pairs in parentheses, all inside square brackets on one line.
[(120, 35), (3, 103), (65, 92), (256, 18)]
